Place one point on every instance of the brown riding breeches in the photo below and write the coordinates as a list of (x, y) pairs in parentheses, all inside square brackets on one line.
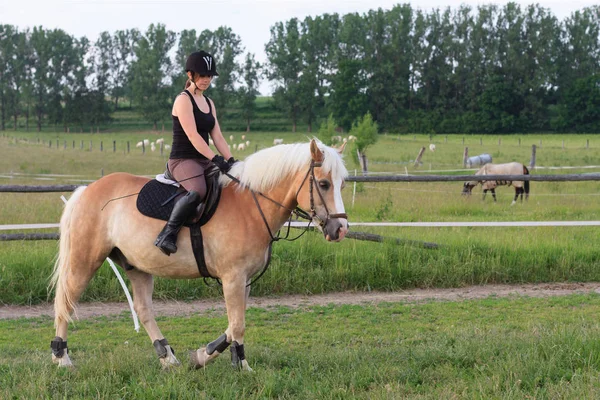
[(190, 174)]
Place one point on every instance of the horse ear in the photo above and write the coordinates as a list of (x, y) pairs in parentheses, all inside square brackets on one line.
[(315, 152), (340, 149)]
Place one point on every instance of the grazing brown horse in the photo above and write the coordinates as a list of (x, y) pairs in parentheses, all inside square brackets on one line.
[(513, 168), (237, 238)]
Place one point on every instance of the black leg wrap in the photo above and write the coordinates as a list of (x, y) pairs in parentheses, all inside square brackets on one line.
[(58, 346), (237, 354), (161, 349), (220, 344)]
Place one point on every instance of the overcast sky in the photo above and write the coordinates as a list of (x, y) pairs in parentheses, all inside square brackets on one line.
[(249, 19)]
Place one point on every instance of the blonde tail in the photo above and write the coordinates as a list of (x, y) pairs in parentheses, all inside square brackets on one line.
[(63, 303)]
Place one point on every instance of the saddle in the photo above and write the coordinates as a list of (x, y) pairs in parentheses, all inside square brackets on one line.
[(157, 199)]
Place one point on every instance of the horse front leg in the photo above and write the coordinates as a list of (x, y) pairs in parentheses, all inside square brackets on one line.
[(484, 193), (142, 284), (494, 194), (236, 294)]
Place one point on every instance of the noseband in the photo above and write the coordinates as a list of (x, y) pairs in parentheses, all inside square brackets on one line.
[(310, 174)]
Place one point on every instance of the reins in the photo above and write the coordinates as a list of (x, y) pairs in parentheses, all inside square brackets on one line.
[(310, 175)]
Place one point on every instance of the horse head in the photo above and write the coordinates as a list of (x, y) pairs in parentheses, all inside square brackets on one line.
[(468, 187), (320, 192)]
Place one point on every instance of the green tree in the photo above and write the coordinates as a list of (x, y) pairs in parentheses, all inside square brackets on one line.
[(327, 130), (152, 71), (285, 67), (124, 42), (249, 91), (365, 130)]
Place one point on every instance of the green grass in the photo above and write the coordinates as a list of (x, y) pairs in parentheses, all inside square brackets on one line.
[(310, 265), (494, 348)]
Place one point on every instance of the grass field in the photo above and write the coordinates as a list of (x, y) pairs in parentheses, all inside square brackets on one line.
[(467, 255), (495, 348)]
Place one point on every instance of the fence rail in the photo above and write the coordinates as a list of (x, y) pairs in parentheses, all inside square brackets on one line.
[(358, 178)]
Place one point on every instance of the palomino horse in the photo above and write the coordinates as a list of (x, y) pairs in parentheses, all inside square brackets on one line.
[(237, 238), (513, 168)]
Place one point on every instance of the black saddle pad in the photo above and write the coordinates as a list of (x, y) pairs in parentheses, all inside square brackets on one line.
[(156, 200)]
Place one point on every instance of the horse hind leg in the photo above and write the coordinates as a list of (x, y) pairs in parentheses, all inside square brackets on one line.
[(142, 284), (494, 194), (73, 273)]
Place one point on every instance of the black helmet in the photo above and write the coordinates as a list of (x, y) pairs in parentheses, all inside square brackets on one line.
[(202, 63)]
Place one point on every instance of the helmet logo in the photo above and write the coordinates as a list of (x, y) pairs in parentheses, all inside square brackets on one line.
[(208, 61)]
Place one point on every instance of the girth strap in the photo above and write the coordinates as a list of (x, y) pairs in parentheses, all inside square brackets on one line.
[(198, 249)]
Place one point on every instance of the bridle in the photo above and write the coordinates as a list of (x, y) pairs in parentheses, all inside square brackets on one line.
[(310, 174), (298, 211)]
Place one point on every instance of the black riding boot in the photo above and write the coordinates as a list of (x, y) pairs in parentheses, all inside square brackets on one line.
[(184, 208)]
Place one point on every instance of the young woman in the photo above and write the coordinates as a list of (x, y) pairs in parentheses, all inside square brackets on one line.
[(194, 120)]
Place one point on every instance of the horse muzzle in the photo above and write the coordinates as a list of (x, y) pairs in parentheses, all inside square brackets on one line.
[(335, 229)]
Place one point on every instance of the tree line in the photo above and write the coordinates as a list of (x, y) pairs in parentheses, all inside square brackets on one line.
[(488, 69)]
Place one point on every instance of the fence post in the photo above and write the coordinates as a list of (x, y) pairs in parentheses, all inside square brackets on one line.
[(587, 144), (101, 146), (81, 145), (465, 156), (114, 146), (143, 147), (499, 141), (418, 160), (532, 161), (354, 190), (73, 144), (161, 148), (128, 147)]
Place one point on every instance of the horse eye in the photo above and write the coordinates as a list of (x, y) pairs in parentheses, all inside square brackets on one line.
[(324, 184)]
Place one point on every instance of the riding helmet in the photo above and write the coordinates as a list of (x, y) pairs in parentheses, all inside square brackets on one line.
[(202, 63)]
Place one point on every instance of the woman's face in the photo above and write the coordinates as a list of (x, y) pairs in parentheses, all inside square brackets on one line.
[(202, 81)]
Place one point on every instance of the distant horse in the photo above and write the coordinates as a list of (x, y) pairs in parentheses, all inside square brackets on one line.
[(513, 168), (237, 239)]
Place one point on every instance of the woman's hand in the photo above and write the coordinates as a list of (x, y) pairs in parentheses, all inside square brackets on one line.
[(220, 162)]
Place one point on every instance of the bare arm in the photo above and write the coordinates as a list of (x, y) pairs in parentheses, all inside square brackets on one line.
[(184, 110), (217, 136)]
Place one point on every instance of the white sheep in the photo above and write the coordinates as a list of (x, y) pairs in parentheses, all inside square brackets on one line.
[(210, 141), (159, 141), (146, 142), (139, 144), (152, 146), (167, 147), (231, 138), (352, 138), (432, 147), (247, 143), (243, 137), (241, 146), (277, 141)]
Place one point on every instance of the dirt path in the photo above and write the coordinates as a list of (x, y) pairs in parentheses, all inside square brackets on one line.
[(168, 308)]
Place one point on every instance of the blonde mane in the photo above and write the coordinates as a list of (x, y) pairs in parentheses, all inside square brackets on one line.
[(264, 169)]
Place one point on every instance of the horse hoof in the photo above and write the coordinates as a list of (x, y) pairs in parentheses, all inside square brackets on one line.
[(199, 358), (63, 361), (169, 361), (246, 366)]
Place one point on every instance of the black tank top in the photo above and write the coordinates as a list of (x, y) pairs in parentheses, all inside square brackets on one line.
[(205, 122)]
